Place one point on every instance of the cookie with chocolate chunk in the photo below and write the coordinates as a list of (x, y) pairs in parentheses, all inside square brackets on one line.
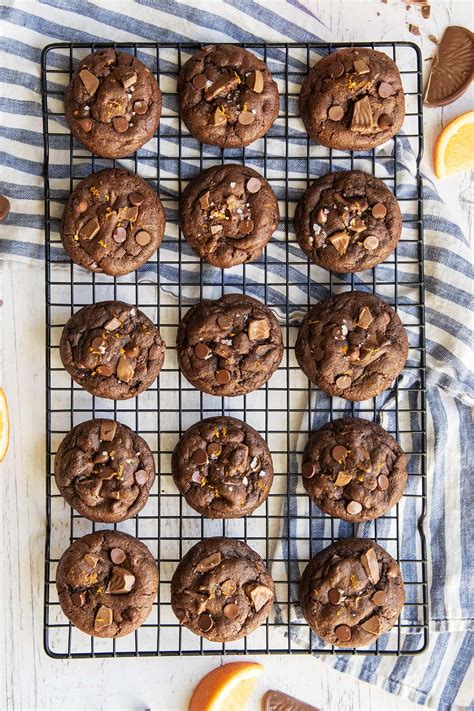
[(227, 96), (112, 349), (352, 345), (352, 592), (228, 214), (229, 346), (104, 470), (353, 99), (221, 590), (223, 468), (354, 469), (107, 582), (113, 222), (347, 222), (113, 103)]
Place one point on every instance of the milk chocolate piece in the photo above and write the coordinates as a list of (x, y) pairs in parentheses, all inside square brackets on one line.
[(452, 68), (278, 701)]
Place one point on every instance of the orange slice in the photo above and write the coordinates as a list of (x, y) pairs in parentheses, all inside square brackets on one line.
[(454, 147), (4, 425), (227, 688)]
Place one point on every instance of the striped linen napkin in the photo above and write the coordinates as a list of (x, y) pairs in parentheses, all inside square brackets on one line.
[(438, 678)]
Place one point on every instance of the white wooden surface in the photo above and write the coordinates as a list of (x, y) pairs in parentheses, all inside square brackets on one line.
[(30, 680)]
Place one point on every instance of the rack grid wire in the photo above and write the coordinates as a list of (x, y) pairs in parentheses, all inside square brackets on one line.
[(287, 530)]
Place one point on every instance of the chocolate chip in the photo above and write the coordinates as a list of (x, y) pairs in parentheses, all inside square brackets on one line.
[(322, 216), (340, 242), (140, 107), (371, 565), (260, 596), (208, 563), (255, 81), (343, 382), (205, 622), (361, 67), (117, 556), (125, 370), (120, 124), (228, 587), (91, 560), (90, 81), (104, 370), (223, 377), (384, 121), (141, 477), (339, 453), (253, 185), (199, 457), (246, 227), (383, 482), (308, 470), (231, 611), (379, 598), (371, 242), (343, 478), (106, 473), (89, 229), (107, 430), (103, 619), (338, 334), (371, 625), (81, 206), (258, 329), (219, 117), (318, 353), (131, 350), (97, 343), (336, 113), (121, 581), (246, 118), (365, 317), (224, 322), (336, 70), (354, 354), (224, 85), (199, 81), (201, 351), (85, 124), (100, 458), (214, 449), (119, 235), (343, 633), (334, 596), (136, 198), (142, 238), (78, 599), (379, 211), (353, 508), (112, 324), (385, 90)]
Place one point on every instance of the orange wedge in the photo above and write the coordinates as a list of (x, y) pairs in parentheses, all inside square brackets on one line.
[(4, 425), (227, 688), (454, 147)]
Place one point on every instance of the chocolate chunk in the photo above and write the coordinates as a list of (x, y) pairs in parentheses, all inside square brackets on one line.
[(107, 430), (322, 216), (214, 449), (102, 457), (343, 478), (103, 619), (204, 200), (362, 115), (219, 117), (372, 625), (340, 242), (258, 329), (343, 633), (121, 581), (131, 350), (452, 68), (112, 324), (129, 79), (379, 598), (136, 198), (215, 229), (371, 565), (222, 86), (141, 477), (125, 370), (343, 382), (223, 377), (246, 118), (140, 107), (371, 242), (365, 317), (334, 596), (120, 124), (104, 370), (199, 81), (385, 90), (119, 235), (117, 556), (209, 562), (308, 470), (231, 611), (339, 453), (357, 225), (336, 70), (353, 508), (90, 81), (254, 81), (201, 351), (199, 457), (90, 229), (383, 482), (379, 211), (360, 67), (142, 238), (278, 701), (85, 124), (260, 596), (253, 185), (78, 599), (336, 113), (91, 560), (205, 622), (384, 121)]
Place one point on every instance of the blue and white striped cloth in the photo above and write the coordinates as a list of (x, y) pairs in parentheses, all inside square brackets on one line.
[(440, 677)]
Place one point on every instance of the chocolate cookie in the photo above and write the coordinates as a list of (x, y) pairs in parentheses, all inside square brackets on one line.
[(227, 96), (223, 468), (107, 582), (352, 592), (104, 470), (347, 222), (113, 103), (113, 222), (112, 349), (353, 99), (353, 469), (352, 345), (230, 346), (228, 214), (221, 590)]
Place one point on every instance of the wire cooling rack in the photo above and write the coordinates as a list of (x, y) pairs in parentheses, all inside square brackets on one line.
[(287, 530)]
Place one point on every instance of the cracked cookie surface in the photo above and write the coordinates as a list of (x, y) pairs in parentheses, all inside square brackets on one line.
[(353, 99), (104, 470), (113, 103), (352, 592), (353, 469), (228, 214), (113, 222), (107, 582), (221, 590), (229, 346), (352, 345), (347, 222), (112, 349), (223, 467), (227, 96)]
